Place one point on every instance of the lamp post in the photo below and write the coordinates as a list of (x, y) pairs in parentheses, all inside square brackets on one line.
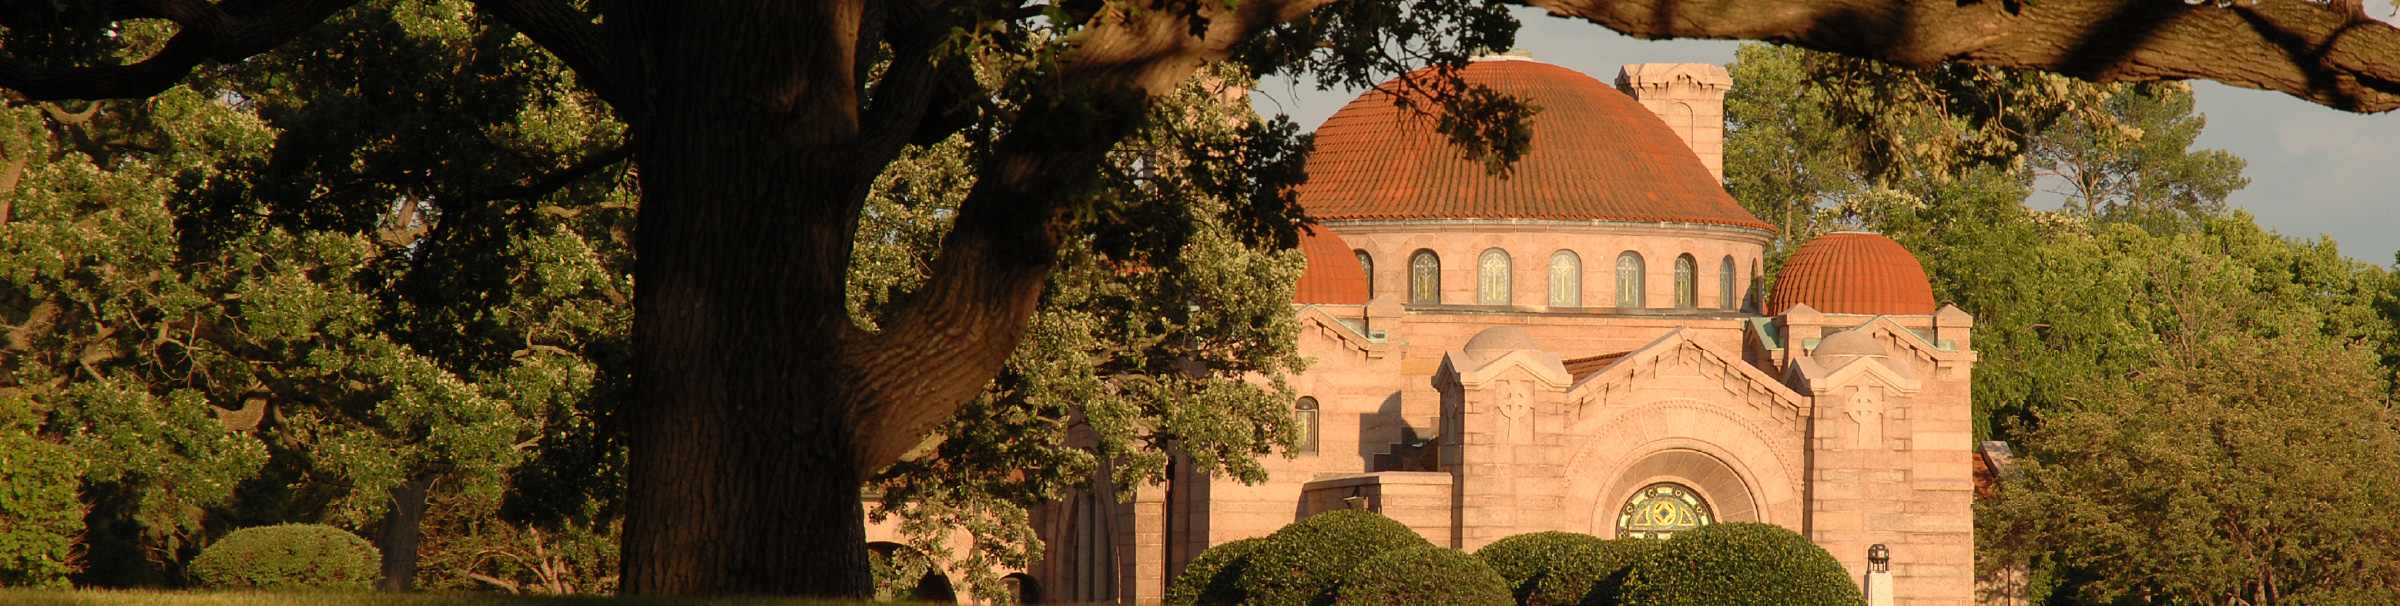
[(1879, 575)]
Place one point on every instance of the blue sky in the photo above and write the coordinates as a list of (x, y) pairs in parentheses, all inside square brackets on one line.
[(2313, 171)]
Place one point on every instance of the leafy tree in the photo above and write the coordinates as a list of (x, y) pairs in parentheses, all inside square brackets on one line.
[(291, 297), (759, 129), (1148, 341), (2245, 464)]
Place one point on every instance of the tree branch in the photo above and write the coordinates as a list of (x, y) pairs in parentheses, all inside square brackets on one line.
[(936, 352), (556, 180), (575, 39), (227, 32), (2328, 53)]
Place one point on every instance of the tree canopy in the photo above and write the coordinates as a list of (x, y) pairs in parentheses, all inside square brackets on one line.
[(756, 132)]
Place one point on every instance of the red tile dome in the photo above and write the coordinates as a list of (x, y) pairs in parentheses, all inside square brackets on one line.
[(1853, 272), (1597, 154), (1334, 276)]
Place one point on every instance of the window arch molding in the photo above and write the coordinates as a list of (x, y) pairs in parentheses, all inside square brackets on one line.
[(1366, 262), (1566, 279), (1687, 282), (1492, 283), (1304, 420), (1629, 279), (1727, 293), (1425, 278)]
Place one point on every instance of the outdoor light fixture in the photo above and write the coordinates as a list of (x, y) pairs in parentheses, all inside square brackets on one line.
[(1880, 557), (1356, 502)]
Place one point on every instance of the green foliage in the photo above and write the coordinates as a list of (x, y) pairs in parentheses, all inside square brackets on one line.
[(354, 281), (1214, 578), (1524, 559), (1149, 335), (1739, 563), (1556, 568), (2253, 454), (40, 518), (1428, 575), (1309, 561), (287, 556)]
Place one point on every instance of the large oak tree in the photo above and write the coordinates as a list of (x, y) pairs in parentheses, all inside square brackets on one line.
[(758, 127)]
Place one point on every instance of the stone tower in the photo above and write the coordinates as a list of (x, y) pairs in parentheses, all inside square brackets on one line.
[(1690, 98)]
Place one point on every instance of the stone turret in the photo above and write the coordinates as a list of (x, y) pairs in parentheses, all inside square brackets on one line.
[(1690, 97)]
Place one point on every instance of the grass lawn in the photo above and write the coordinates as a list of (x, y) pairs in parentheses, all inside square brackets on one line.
[(30, 597)]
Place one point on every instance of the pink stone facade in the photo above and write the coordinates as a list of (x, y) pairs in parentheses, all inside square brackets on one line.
[(1503, 393)]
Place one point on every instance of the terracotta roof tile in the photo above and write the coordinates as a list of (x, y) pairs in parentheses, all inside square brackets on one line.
[(1853, 272), (1597, 154), (1334, 276)]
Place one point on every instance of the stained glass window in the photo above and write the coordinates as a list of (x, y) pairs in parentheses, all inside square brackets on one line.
[(1304, 418), (1629, 279), (1687, 283), (1660, 510), (1425, 278), (1491, 278), (1725, 294), (1566, 279), (1367, 262)]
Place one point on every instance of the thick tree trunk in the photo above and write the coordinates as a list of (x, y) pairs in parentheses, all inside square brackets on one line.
[(397, 537), (759, 408), (742, 474)]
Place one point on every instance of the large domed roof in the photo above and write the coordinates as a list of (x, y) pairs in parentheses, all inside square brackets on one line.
[(1853, 272), (1334, 276), (1597, 154)]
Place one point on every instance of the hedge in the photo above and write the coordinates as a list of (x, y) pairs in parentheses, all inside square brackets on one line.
[(288, 555), (1214, 578), (1738, 563), (1307, 561), (1563, 568), (1425, 576)]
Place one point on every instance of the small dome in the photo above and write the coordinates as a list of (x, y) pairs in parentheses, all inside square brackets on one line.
[(1848, 343), (1333, 276), (1501, 338), (1854, 272), (1597, 154)]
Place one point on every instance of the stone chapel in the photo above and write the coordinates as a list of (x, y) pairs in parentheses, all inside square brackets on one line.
[(1581, 346)]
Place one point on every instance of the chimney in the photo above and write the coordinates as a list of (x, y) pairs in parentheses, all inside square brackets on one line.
[(1690, 98)]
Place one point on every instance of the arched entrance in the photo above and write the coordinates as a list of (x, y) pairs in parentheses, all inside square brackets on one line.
[(1673, 490)]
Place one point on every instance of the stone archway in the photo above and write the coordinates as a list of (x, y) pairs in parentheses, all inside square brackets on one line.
[(1727, 495), (1747, 469)]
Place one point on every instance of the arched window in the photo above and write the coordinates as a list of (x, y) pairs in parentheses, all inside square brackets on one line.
[(1725, 294), (1304, 419), (1367, 262), (1687, 284), (1629, 279), (1491, 278), (1660, 510), (1566, 279), (1425, 278)]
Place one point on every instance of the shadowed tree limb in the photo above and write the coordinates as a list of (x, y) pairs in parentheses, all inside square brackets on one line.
[(938, 351), (571, 35), (228, 31), (2330, 53)]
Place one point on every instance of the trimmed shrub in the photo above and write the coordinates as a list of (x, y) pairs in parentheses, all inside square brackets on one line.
[(1563, 568), (1307, 561), (1739, 563), (1591, 575), (1214, 578), (1424, 576), (288, 555), (1522, 559)]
